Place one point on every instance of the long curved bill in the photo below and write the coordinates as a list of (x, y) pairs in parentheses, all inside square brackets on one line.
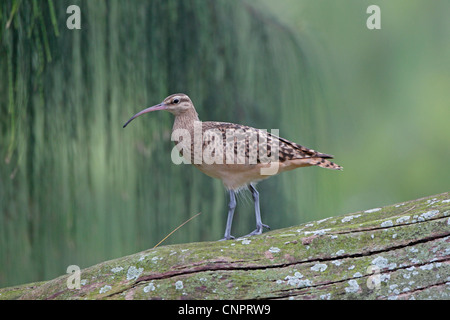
[(160, 106)]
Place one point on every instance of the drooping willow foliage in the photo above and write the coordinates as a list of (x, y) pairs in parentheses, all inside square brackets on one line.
[(77, 188)]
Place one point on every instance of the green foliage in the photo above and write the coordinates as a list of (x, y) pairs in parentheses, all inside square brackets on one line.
[(386, 92), (76, 188)]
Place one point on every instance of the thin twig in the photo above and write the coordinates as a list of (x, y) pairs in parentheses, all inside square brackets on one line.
[(176, 229)]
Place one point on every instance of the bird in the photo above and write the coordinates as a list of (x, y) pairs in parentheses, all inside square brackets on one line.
[(238, 155)]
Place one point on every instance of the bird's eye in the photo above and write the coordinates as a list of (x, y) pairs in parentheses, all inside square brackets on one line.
[(176, 101)]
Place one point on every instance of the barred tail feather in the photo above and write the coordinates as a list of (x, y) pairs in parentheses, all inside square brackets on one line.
[(324, 163)]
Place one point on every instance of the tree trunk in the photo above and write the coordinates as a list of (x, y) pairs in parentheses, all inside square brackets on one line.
[(396, 252)]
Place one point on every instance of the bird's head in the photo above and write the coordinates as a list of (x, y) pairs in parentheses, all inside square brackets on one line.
[(177, 104)]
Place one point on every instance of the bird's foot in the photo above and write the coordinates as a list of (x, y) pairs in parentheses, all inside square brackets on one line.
[(229, 237), (258, 230)]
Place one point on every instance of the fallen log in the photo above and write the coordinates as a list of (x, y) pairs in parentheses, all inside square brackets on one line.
[(400, 251)]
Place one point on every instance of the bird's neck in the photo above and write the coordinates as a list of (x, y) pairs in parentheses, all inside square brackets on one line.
[(186, 120)]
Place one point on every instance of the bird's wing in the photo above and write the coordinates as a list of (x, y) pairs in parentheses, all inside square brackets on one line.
[(293, 150), (256, 143)]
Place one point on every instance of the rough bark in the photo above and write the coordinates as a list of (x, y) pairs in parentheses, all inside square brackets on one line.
[(400, 251)]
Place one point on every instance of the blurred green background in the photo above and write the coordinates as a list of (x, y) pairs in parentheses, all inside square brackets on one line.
[(76, 188)]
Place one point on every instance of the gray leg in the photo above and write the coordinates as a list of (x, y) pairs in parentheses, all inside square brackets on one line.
[(231, 207), (259, 224)]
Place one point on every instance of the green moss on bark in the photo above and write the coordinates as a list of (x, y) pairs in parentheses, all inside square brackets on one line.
[(396, 252)]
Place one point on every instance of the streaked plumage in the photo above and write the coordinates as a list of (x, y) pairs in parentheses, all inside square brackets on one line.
[(235, 153)]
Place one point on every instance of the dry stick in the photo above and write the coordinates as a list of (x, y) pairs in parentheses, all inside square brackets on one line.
[(176, 229)]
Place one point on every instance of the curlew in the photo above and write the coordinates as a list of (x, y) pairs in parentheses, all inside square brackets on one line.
[(238, 155)]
